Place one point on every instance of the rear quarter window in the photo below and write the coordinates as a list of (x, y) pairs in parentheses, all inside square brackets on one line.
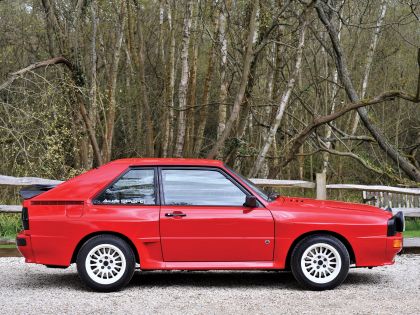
[(136, 187)]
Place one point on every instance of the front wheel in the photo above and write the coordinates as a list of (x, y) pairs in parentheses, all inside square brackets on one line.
[(320, 262), (106, 263)]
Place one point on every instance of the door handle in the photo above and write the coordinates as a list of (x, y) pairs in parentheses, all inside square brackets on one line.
[(175, 214)]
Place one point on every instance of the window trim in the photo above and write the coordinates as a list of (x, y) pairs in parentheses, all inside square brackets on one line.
[(244, 189), (130, 168)]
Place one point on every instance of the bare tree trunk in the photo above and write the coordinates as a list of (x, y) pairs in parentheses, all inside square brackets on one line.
[(243, 83), (93, 86), (326, 155), (345, 78), (283, 103), (112, 84), (369, 60), (243, 121), (161, 46), (333, 97), (279, 61), (206, 94), (54, 24), (169, 93), (192, 84), (223, 63), (266, 114), (162, 103), (183, 85), (150, 152)]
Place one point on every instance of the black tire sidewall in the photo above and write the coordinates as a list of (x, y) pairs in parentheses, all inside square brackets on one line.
[(297, 256), (106, 239)]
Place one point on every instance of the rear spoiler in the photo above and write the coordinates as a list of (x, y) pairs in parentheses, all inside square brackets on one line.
[(29, 192)]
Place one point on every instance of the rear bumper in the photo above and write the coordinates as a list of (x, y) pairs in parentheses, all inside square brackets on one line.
[(24, 246), (394, 245)]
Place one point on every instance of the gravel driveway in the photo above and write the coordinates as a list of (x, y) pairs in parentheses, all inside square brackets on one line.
[(27, 288)]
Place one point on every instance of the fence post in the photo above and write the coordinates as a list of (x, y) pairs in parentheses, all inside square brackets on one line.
[(321, 186)]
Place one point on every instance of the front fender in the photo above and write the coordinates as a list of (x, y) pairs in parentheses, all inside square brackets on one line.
[(365, 234)]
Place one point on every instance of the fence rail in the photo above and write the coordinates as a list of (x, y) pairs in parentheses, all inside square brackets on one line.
[(398, 198)]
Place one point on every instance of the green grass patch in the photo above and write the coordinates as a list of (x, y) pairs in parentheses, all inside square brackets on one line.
[(412, 233), (7, 246), (10, 225), (412, 227)]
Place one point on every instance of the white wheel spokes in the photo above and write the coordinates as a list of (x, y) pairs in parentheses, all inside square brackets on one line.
[(105, 264), (321, 263)]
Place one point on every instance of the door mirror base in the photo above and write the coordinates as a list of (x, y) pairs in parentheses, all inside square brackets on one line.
[(250, 202)]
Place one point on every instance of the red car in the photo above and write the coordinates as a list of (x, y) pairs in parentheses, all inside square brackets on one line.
[(192, 214)]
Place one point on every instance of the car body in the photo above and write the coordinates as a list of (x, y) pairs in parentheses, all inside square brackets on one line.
[(189, 214)]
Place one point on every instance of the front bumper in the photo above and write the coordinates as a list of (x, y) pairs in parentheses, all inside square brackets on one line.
[(24, 245)]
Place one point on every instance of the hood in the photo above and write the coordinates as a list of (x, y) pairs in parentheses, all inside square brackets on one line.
[(327, 205)]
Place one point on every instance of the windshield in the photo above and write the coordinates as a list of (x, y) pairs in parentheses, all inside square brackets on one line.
[(263, 194)]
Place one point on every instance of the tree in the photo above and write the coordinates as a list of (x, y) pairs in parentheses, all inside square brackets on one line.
[(242, 86), (183, 84), (102, 80), (283, 102), (325, 12)]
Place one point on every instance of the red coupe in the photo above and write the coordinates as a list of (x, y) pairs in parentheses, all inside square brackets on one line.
[(192, 214)]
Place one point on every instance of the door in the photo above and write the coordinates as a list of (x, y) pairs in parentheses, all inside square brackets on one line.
[(202, 218)]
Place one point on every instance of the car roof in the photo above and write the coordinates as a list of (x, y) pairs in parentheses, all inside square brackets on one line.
[(87, 184), (167, 161)]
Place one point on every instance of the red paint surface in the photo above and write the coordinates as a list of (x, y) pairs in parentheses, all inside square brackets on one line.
[(209, 237)]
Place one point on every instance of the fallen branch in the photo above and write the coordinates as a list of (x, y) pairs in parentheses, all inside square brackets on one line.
[(298, 141)]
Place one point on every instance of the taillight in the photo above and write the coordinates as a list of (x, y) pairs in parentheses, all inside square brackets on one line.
[(25, 218), (396, 224), (397, 243), (391, 231)]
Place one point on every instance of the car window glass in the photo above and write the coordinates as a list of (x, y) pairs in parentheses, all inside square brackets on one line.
[(200, 187), (134, 187)]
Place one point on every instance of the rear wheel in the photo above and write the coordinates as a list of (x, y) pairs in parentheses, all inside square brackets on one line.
[(320, 262), (106, 263)]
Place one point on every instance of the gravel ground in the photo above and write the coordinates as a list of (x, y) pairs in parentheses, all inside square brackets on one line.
[(34, 289)]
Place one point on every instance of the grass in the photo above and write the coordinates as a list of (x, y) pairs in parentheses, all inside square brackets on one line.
[(7, 246), (412, 227), (10, 225)]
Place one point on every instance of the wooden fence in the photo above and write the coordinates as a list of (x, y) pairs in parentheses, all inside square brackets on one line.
[(397, 198)]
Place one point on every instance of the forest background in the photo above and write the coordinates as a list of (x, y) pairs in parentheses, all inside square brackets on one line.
[(276, 89)]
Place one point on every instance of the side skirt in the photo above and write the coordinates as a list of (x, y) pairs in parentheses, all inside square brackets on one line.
[(217, 265)]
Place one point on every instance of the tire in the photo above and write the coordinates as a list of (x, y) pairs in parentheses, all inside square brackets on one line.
[(112, 266), (320, 262)]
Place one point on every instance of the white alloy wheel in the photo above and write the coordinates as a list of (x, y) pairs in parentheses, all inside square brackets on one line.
[(105, 264), (321, 263)]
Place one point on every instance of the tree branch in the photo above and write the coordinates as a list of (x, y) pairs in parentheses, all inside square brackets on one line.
[(54, 61), (325, 14), (298, 141)]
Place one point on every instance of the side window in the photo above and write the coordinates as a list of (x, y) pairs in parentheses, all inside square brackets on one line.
[(136, 187), (200, 187)]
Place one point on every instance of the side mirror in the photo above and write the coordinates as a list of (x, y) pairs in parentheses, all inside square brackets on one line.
[(250, 202)]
